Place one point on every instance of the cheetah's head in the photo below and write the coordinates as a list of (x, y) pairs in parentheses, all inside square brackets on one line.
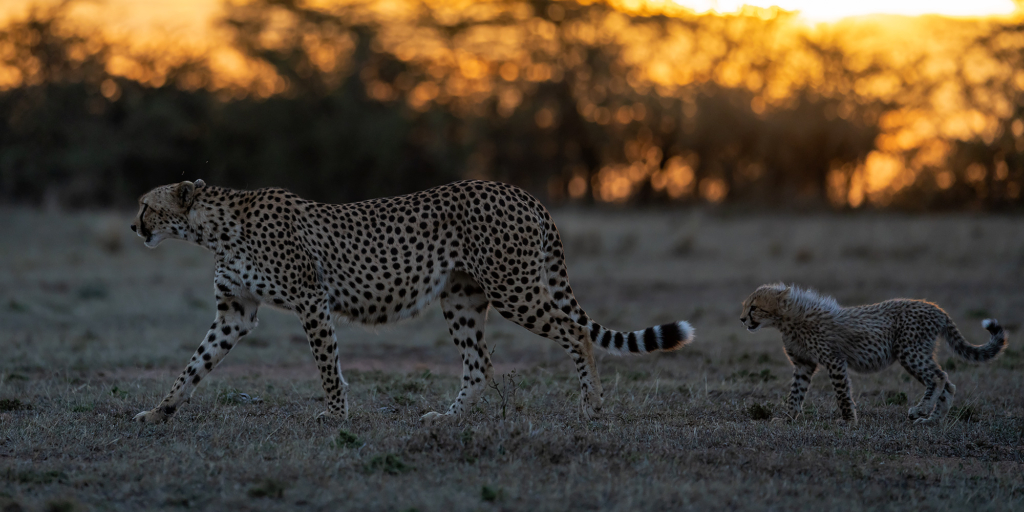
[(163, 212), (763, 308)]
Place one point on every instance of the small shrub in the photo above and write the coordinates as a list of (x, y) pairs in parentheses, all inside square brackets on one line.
[(118, 392), (13, 404), (507, 393), (346, 439), (488, 493), (388, 463), (760, 412), (895, 398), (402, 400), (268, 488), (738, 375), (412, 386), (60, 506)]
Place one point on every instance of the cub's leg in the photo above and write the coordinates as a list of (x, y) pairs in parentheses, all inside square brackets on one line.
[(840, 378), (921, 366), (942, 392), (316, 321), (802, 373), (465, 308), (236, 317), (945, 400)]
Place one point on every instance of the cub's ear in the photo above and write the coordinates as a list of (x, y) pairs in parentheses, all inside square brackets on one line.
[(200, 184), (185, 192)]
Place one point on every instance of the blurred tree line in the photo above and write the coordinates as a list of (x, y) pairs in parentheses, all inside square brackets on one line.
[(577, 102)]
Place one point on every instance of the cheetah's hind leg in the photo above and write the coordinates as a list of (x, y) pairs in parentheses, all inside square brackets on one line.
[(465, 304)]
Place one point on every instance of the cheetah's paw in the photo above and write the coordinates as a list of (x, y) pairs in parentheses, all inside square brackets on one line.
[(930, 420), (151, 416), (328, 417), (916, 413), (591, 413), (431, 418)]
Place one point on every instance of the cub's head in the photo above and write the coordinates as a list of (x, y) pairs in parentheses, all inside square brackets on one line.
[(163, 212), (764, 307)]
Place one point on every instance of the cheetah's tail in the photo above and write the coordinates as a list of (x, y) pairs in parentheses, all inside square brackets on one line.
[(663, 337), (995, 345)]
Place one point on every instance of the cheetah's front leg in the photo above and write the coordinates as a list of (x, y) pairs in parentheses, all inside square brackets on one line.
[(236, 317), (840, 378)]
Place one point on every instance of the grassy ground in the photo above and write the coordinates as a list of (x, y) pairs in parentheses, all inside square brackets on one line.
[(94, 328)]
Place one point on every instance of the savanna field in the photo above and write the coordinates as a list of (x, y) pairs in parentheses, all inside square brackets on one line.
[(95, 328), (689, 151)]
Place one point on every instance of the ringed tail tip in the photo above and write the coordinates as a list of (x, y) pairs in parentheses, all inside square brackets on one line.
[(991, 325), (674, 336)]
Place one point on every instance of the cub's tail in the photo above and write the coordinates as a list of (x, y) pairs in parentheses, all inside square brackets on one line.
[(986, 352), (663, 337)]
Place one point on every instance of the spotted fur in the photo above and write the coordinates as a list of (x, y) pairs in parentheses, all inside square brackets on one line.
[(475, 245), (816, 330)]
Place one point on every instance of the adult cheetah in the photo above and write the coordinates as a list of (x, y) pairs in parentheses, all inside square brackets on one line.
[(473, 244), (816, 330)]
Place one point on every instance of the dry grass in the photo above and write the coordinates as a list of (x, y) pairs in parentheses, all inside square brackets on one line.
[(95, 328)]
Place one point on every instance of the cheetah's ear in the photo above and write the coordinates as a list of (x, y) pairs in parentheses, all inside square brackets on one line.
[(200, 184), (783, 297), (185, 193)]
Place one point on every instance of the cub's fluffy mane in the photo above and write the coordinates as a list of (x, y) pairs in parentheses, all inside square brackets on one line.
[(802, 302)]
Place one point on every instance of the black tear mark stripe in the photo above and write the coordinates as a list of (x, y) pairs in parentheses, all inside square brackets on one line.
[(142, 221)]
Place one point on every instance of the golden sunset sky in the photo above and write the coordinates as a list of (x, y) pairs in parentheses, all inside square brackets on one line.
[(191, 19), (831, 11)]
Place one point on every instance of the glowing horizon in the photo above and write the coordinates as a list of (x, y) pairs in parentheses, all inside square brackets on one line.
[(192, 17), (817, 11)]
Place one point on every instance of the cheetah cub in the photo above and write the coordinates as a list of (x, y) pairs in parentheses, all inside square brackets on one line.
[(816, 330)]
